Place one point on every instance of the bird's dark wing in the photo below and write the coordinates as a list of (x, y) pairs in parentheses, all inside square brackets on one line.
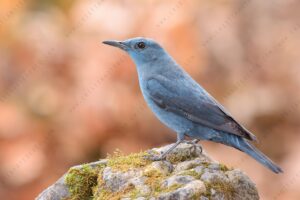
[(189, 103)]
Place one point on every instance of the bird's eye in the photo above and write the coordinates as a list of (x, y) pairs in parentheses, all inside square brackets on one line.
[(141, 45)]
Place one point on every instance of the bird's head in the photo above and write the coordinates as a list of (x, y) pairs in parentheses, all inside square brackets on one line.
[(141, 50)]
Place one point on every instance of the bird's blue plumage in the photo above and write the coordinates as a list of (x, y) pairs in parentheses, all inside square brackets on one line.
[(182, 104)]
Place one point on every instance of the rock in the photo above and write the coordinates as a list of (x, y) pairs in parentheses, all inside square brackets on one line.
[(116, 180), (188, 191), (185, 174), (204, 198), (164, 167), (57, 191), (177, 180), (242, 185)]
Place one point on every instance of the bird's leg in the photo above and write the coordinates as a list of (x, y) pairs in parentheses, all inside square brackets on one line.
[(180, 139), (194, 142), (164, 155)]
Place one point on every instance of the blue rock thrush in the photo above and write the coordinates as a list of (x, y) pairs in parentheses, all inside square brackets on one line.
[(182, 104)]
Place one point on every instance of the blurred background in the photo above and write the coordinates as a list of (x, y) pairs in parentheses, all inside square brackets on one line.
[(67, 99)]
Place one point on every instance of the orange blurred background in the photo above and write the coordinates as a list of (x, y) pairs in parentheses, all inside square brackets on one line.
[(67, 99)]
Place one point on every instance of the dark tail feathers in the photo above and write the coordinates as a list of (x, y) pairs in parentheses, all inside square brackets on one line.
[(243, 145)]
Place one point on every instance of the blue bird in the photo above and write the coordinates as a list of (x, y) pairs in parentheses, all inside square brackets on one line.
[(182, 104)]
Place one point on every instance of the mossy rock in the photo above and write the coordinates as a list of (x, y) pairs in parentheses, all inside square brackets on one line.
[(186, 174)]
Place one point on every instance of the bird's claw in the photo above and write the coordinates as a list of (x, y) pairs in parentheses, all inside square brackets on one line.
[(195, 144), (155, 156), (200, 147)]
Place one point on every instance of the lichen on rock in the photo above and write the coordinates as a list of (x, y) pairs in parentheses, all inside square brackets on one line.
[(187, 173)]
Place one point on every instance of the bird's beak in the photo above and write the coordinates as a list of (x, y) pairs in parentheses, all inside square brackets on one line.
[(115, 43)]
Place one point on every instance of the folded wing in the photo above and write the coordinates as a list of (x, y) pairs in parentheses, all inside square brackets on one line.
[(189, 103)]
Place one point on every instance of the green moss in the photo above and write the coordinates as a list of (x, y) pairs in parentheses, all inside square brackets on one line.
[(224, 168), (105, 194), (192, 173), (154, 180), (225, 188), (172, 188), (120, 162), (205, 164), (208, 191), (133, 194), (80, 181), (196, 196)]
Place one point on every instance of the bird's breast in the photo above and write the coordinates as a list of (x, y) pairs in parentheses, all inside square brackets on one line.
[(173, 121)]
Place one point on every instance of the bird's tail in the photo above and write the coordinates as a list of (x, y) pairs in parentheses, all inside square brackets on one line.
[(243, 145)]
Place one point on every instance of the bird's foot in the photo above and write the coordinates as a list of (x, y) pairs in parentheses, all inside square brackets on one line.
[(194, 141), (195, 144)]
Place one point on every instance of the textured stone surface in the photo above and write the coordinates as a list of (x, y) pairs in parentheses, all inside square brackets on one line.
[(190, 190), (116, 180), (186, 174)]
